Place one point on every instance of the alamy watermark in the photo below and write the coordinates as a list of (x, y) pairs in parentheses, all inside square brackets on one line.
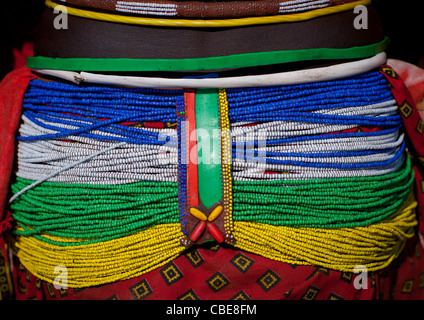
[(61, 20), (202, 146), (361, 280), (361, 20), (61, 280)]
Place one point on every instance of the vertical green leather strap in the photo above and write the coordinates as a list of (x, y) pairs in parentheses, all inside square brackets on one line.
[(208, 146)]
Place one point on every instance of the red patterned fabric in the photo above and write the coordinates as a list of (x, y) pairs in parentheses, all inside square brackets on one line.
[(12, 90), (213, 273), (20, 56), (404, 279), (414, 127), (413, 77), (222, 273)]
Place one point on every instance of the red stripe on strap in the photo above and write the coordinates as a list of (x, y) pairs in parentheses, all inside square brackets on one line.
[(192, 177)]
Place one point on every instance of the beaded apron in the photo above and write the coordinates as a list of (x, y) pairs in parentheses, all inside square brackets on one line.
[(113, 182), (282, 171)]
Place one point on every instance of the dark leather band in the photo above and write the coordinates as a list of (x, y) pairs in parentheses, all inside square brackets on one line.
[(87, 38)]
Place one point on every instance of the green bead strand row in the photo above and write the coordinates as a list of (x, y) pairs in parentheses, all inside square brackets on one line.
[(92, 213), (323, 203)]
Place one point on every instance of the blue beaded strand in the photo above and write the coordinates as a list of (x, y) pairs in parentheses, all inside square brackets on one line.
[(182, 168), (138, 136), (274, 142), (60, 86), (239, 154), (316, 118), (283, 102)]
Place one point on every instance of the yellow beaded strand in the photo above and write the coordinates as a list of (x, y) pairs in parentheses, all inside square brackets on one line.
[(104, 262), (343, 249), (226, 162)]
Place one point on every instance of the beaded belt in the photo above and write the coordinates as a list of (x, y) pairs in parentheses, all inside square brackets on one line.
[(116, 181), (205, 9), (206, 15), (128, 157)]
